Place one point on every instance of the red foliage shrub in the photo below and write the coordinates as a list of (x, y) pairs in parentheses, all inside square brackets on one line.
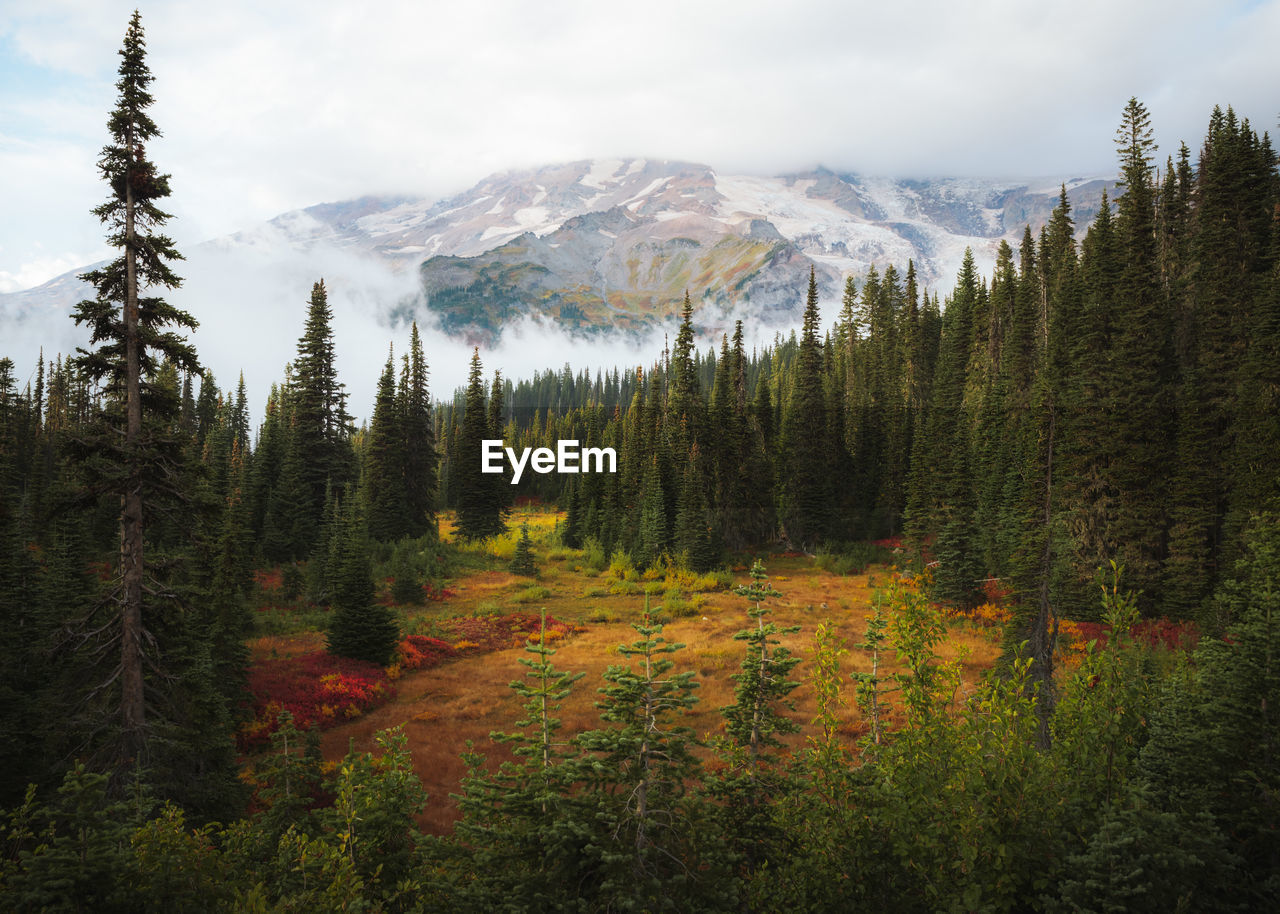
[(1155, 633), (420, 652), (315, 687), (996, 591), (496, 632), (326, 690), (269, 578)]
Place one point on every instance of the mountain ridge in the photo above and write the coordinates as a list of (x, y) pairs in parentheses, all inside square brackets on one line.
[(617, 242)]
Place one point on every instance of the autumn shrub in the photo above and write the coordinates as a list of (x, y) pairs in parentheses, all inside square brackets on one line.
[(677, 607), (531, 594), (593, 557), (420, 651), (316, 687), (497, 632), (621, 567)]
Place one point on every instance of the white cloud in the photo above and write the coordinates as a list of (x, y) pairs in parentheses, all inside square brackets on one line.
[(42, 269), (268, 107)]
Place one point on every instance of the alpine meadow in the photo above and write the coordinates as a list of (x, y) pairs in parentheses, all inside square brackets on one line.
[(963, 596)]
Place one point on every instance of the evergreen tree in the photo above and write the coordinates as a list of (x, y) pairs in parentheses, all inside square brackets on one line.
[(480, 516), (524, 823), (950, 463), (694, 536), (522, 561), (1136, 416), (652, 539), (385, 475), (421, 462), (754, 782), (130, 329), (684, 398), (805, 467), (638, 777), (361, 628), (322, 425)]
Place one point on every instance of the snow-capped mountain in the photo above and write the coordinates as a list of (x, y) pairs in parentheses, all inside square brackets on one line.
[(617, 242)]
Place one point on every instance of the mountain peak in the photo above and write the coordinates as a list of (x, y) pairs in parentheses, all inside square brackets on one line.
[(615, 242)]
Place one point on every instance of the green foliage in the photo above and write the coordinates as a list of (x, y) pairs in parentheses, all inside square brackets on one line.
[(1214, 732), (73, 854), (522, 822), (593, 556), (916, 627), (406, 586), (753, 722), (177, 868), (754, 780), (850, 558), (621, 567), (1143, 859), (636, 772), (360, 627), (376, 797), (522, 562), (481, 505), (806, 474), (870, 686), (531, 594), (1102, 714)]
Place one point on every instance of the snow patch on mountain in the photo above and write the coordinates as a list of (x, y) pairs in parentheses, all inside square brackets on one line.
[(628, 234)]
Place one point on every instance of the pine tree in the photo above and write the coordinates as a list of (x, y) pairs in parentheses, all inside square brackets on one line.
[(950, 463), (522, 561), (321, 423), (384, 479), (524, 823), (652, 530), (1136, 416), (638, 776), (693, 535), (754, 783), (132, 330), (361, 628), (499, 483), (480, 515), (806, 470), (421, 462), (753, 722), (684, 399)]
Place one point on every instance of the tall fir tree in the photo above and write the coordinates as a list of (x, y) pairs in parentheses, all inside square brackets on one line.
[(361, 628), (421, 461), (384, 480), (1136, 410), (129, 453), (805, 465), (480, 515), (322, 425)]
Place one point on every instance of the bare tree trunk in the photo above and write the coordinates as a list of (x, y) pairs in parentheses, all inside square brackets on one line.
[(132, 703)]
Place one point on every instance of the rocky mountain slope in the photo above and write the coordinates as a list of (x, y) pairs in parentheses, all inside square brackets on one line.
[(616, 243)]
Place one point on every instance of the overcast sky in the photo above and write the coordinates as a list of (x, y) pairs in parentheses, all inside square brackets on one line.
[(270, 106)]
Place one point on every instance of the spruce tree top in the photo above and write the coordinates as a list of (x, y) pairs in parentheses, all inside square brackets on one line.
[(131, 215)]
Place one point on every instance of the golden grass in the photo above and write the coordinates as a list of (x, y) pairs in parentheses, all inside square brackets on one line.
[(444, 708), (271, 647)]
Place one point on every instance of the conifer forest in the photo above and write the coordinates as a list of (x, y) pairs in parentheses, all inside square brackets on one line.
[(955, 600)]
